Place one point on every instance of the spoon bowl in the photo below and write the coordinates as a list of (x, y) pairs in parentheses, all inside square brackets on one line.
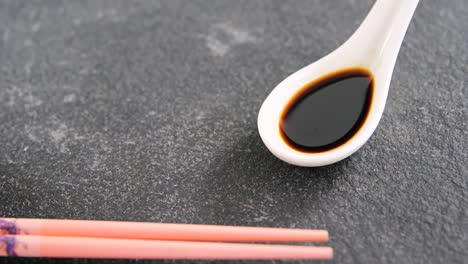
[(373, 49)]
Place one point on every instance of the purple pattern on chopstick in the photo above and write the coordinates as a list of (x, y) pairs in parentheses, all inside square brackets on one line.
[(9, 227), (8, 230), (10, 245)]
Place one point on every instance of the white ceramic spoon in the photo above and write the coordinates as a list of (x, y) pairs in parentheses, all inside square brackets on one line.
[(373, 47)]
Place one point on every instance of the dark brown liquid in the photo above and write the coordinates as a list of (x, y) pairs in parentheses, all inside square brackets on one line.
[(327, 112)]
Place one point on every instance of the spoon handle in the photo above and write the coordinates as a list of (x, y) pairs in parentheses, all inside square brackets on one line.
[(376, 42)]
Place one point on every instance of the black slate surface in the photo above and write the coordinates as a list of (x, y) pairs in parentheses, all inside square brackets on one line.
[(146, 111)]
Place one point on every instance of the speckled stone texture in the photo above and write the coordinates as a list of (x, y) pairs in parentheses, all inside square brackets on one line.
[(146, 111)]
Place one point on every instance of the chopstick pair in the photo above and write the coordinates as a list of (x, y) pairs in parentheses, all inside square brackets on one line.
[(111, 239)]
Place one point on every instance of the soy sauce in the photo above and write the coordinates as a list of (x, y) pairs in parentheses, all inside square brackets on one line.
[(326, 113)]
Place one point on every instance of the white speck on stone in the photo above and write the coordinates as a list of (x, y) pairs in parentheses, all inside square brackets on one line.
[(96, 162), (152, 113), (69, 98), (36, 27), (77, 21), (200, 116), (83, 71), (216, 47), (223, 37), (260, 218), (32, 101), (239, 36), (9, 160), (31, 135), (28, 66), (63, 63), (28, 43), (58, 134), (63, 147)]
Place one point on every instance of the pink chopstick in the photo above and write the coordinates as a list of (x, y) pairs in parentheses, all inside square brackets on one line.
[(157, 231), (86, 247), (25, 237)]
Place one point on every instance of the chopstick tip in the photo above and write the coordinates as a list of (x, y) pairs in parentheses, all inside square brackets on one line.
[(326, 235), (331, 254)]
